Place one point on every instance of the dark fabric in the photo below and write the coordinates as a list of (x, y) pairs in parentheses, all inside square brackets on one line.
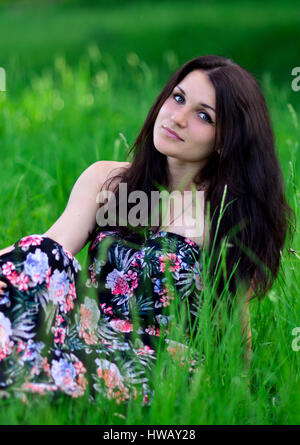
[(59, 333)]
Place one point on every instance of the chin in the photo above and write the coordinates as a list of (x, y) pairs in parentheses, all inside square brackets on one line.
[(163, 145), (164, 150)]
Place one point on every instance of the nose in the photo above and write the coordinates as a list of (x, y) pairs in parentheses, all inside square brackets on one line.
[(180, 117)]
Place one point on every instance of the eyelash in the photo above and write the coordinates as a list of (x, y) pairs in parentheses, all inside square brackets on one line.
[(208, 121)]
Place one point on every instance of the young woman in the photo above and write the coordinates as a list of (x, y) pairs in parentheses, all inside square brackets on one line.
[(209, 130)]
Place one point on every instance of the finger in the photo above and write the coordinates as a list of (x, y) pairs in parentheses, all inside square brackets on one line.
[(2, 285)]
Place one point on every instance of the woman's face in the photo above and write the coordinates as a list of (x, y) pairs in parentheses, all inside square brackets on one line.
[(189, 112)]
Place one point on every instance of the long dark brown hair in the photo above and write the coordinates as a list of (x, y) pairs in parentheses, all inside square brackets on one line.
[(257, 218)]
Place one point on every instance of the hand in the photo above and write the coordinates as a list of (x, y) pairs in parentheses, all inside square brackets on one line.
[(3, 285)]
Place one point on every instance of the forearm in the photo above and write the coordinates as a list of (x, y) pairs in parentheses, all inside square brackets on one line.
[(6, 250)]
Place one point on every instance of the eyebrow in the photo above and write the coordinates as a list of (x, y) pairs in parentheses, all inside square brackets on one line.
[(203, 105)]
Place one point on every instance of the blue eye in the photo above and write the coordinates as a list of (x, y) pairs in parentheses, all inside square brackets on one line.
[(177, 95), (207, 119)]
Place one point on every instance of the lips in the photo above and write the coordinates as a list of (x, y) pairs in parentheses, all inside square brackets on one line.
[(171, 133)]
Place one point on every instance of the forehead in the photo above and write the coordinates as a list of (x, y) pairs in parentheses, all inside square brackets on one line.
[(198, 87)]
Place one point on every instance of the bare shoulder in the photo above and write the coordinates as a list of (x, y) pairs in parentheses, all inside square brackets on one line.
[(109, 169), (109, 166)]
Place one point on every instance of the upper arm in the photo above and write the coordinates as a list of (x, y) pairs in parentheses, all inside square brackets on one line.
[(73, 227)]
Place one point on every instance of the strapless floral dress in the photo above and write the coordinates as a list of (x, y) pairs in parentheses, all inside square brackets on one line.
[(65, 331)]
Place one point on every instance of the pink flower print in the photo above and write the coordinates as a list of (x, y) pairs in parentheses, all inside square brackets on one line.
[(72, 291), (90, 315), (40, 388), (121, 325), (167, 294), (134, 263), (69, 305), (190, 242), (110, 373), (130, 292), (22, 282), (32, 240), (48, 277), (117, 282), (170, 260), (138, 259), (89, 338), (110, 378), (59, 335), (164, 300), (86, 317), (106, 310), (8, 267), (69, 255), (20, 346), (13, 277), (131, 275), (145, 350), (151, 330), (97, 239), (59, 320), (79, 368), (93, 276)]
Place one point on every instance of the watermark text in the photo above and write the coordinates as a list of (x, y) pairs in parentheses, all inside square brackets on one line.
[(296, 80), (179, 209), (2, 79)]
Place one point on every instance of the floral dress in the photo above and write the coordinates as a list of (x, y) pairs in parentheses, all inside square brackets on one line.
[(63, 331)]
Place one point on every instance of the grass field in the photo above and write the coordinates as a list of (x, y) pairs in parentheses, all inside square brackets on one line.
[(87, 104), (260, 36)]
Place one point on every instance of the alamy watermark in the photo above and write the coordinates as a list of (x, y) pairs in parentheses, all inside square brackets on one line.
[(2, 79), (296, 341), (188, 209), (296, 80)]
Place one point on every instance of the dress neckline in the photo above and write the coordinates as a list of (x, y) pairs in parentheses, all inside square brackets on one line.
[(185, 239)]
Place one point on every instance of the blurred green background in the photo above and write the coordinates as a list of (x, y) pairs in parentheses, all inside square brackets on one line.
[(261, 36), (80, 79), (80, 72)]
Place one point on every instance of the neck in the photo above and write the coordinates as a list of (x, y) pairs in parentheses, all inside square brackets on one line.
[(181, 174)]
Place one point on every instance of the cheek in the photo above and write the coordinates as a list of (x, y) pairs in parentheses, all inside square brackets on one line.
[(165, 109), (161, 114), (202, 133), (160, 118)]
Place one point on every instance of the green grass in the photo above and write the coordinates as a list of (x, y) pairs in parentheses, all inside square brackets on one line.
[(66, 116), (258, 35)]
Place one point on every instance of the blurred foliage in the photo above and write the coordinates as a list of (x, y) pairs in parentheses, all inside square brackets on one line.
[(262, 37), (80, 81)]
